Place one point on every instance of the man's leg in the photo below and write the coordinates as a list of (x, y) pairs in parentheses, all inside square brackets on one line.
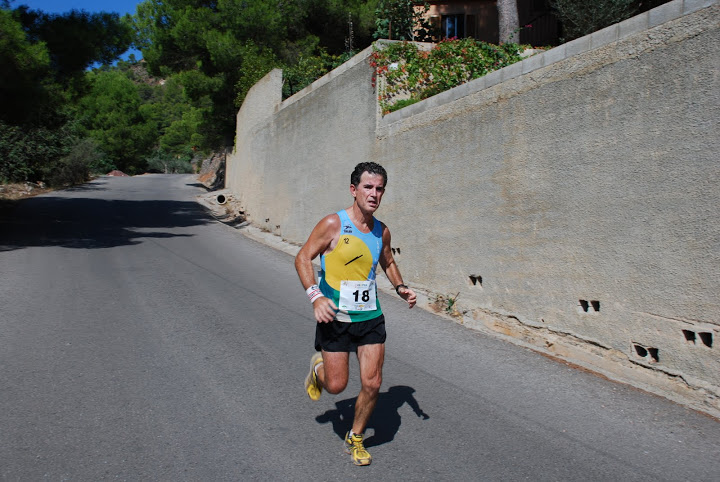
[(333, 373), (371, 358)]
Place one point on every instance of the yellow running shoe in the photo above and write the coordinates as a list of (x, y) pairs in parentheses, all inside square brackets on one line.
[(354, 446), (312, 385)]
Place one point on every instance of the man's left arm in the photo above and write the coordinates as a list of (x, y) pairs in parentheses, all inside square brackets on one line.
[(388, 264)]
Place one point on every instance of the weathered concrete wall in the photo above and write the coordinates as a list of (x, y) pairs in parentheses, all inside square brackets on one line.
[(289, 167), (570, 200)]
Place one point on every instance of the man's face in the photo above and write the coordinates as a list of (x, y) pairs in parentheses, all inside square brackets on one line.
[(368, 192)]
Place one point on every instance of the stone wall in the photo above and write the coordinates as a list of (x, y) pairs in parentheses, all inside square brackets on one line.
[(568, 201), (212, 171)]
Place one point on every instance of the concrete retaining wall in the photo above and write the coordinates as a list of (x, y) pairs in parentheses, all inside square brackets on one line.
[(568, 201), (291, 159)]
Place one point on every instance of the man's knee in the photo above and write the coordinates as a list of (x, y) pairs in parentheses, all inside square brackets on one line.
[(335, 386), (372, 384), (335, 375)]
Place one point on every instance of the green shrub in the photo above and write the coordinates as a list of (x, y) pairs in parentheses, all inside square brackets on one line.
[(402, 103), (410, 73), (101, 166), (257, 61), (403, 20), (27, 153), (76, 166), (310, 68), (169, 163), (579, 17)]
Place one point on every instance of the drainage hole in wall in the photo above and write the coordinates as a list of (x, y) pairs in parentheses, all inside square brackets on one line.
[(648, 353), (653, 352), (398, 250), (393, 250), (689, 336), (707, 338), (584, 305), (595, 305), (640, 350), (475, 279)]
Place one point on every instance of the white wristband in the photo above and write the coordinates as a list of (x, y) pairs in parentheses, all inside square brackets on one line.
[(314, 293)]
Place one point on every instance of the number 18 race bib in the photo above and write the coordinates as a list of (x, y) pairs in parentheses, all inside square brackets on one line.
[(357, 296)]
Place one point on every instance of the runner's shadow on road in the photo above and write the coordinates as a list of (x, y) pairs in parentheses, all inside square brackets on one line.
[(385, 420)]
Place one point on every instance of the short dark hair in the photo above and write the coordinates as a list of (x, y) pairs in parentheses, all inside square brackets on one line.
[(370, 168)]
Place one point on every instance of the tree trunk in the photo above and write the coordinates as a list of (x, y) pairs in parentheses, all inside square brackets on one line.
[(509, 21)]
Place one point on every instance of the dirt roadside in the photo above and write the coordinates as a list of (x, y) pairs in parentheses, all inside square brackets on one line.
[(11, 194)]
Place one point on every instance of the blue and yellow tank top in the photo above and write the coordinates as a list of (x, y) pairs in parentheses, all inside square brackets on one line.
[(348, 271)]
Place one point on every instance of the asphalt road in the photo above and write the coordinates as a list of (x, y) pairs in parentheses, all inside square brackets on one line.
[(142, 340)]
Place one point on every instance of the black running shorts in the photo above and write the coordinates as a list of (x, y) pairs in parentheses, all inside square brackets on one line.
[(342, 336)]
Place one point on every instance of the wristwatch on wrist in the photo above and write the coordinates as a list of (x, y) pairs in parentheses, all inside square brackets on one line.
[(397, 288)]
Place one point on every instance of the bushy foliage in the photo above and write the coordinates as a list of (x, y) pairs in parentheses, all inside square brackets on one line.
[(579, 17), (411, 74), (59, 120), (27, 152), (402, 20), (182, 134), (25, 67), (222, 48), (43, 60), (75, 168), (308, 69), (257, 62), (114, 115), (77, 39), (169, 163), (131, 114)]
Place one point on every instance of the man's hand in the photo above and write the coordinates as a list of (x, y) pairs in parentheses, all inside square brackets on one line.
[(408, 295), (324, 309)]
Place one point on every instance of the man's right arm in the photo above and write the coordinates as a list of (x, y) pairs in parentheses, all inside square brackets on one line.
[(319, 241)]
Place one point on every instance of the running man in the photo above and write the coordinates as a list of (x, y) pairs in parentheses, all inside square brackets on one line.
[(350, 244)]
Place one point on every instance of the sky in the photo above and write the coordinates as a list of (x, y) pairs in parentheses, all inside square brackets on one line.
[(62, 6)]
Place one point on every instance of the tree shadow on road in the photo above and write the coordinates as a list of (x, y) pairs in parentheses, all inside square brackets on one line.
[(385, 420), (95, 185), (88, 223)]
